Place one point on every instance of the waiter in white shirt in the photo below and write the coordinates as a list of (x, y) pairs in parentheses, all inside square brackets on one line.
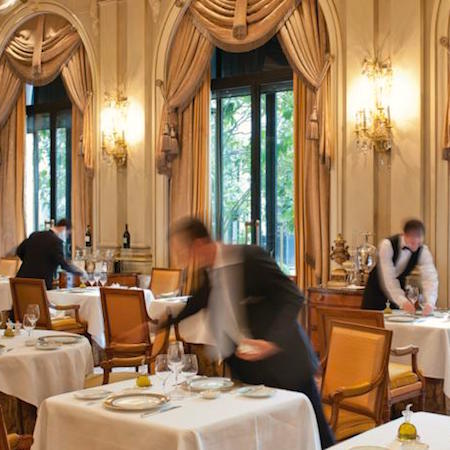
[(398, 256)]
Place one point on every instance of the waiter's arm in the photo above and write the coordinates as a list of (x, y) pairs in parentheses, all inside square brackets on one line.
[(429, 276), (20, 251), (58, 255), (388, 277)]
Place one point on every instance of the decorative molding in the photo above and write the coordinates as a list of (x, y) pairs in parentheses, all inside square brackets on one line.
[(93, 12), (445, 42)]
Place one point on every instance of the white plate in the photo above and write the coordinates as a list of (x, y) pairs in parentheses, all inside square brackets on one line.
[(400, 319), (210, 384), (368, 447), (92, 394), (60, 339), (44, 346), (257, 392), (135, 401)]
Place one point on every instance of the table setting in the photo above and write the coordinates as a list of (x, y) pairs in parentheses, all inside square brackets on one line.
[(37, 364), (177, 410)]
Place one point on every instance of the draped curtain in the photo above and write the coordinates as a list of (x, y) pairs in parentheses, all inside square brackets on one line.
[(239, 26), (39, 51), (445, 41)]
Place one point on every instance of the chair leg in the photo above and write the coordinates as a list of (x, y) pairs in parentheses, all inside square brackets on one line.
[(106, 376)]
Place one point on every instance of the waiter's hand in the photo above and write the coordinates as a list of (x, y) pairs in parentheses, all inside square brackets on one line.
[(256, 349), (427, 309), (409, 307)]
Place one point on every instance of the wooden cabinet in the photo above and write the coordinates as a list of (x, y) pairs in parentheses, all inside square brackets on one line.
[(335, 297)]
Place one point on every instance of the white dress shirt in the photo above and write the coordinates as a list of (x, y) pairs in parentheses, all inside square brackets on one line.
[(389, 272)]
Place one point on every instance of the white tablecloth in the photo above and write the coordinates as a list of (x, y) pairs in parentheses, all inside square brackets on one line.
[(193, 330), (284, 422), (5, 295), (34, 375), (432, 336), (434, 430)]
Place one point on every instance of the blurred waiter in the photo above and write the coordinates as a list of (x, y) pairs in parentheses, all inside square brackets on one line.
[(398, 256), (252, 307), (43, 252)]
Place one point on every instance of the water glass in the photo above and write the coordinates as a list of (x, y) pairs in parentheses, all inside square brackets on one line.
[(190, 367), (33, 310), (91, 279), (162, 370), (29, 322), (103, 278), (175, 354), (97, 276)]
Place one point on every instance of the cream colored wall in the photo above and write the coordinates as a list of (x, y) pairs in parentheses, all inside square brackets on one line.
[(127, 43)]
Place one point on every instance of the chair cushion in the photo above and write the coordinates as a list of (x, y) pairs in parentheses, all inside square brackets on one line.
[(401, 375), (65, 323), (349, 423), (96, 380), (13, 440)]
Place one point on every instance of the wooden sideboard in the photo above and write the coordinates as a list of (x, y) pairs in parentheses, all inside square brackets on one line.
[(335, 297)]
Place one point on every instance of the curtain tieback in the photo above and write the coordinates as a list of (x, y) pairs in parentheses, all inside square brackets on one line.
[(240, 19), (37, 52)]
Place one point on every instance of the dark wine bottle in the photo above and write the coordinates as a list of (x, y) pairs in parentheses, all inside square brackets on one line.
[(88, 237), (126, 237)]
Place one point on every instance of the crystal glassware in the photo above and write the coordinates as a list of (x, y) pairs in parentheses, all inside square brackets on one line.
[(162, 370), (29, 322)]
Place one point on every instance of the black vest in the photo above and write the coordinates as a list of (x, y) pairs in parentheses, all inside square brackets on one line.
[(374, 295)]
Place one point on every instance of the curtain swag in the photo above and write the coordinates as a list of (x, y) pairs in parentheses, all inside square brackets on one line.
[(239, 26), (445, 42)]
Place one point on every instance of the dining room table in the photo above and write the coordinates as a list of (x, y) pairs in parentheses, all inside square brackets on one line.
[(284, 420), (33, 372), (194, 329), (5, 294), (431, 335), (433, 430)]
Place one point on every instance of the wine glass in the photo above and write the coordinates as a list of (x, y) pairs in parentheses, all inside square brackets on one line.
[(29, 322), (97, 276), (91, 279), (413, 294), (175, 354), (190, 367), (162, 370), (103, 278), (33, 309), (84, 278)]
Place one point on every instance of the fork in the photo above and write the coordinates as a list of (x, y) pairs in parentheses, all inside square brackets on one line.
[(161, 410)]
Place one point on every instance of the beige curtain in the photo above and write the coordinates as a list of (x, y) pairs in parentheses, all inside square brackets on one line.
[(41, 47), (82, 183), (12, 147), (189, 189), (78, 81), (240, 25), (189, 58), (304, 40), (9, 90), (445, 42)]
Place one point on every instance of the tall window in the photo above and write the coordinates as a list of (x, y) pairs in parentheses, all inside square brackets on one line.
[(48, 155), (252, 157)]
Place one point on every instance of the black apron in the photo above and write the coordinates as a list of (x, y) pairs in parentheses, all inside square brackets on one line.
[(374, 295)]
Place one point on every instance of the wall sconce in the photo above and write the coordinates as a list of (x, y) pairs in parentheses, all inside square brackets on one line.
[(114, 124), (373, 126)]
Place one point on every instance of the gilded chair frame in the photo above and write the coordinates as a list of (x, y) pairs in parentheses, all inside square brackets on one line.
[(379, 382), (124, 279), (13, 262), (21, 442), (376, 319), (178, 272)]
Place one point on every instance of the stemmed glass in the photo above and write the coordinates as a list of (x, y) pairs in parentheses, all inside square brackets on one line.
[(190, 367), (91, 279), (413, 294), (84, 278), (29, 322), (162, 370), (97, 276), (33, 309), (175, 354), (103, 278)]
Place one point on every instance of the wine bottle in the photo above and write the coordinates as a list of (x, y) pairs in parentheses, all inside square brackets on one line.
[(88, 237), (126, 237)]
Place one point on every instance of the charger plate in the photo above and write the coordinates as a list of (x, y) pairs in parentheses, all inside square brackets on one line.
[(210, 384), (61, 339), (135, 401)]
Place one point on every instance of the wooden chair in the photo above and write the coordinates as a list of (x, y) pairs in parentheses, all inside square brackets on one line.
[(405, 380), (124, 279), (127, 331), (165, 281), (13, 441), (27, 291), (68, 280), (9, 266), (355, 378)]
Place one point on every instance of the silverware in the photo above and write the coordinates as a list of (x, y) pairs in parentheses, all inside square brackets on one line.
[(160, 410)]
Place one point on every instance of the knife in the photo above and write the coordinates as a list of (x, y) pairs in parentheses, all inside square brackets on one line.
[(161, 410)]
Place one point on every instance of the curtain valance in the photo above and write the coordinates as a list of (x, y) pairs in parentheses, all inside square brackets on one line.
[(240, 25)]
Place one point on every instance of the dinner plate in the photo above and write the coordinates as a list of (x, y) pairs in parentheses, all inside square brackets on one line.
[(46, 346), (60, 339), (135, 401), (92, 394), (400, 319), (368, 447), (256, 391), (210, 384)]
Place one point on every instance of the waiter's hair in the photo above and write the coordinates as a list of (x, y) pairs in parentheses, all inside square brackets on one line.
[(192, 228), (414, 226), (63, 223)]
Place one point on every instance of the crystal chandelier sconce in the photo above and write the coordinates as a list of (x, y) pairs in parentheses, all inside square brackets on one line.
[(114, 123), (373, 126)]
